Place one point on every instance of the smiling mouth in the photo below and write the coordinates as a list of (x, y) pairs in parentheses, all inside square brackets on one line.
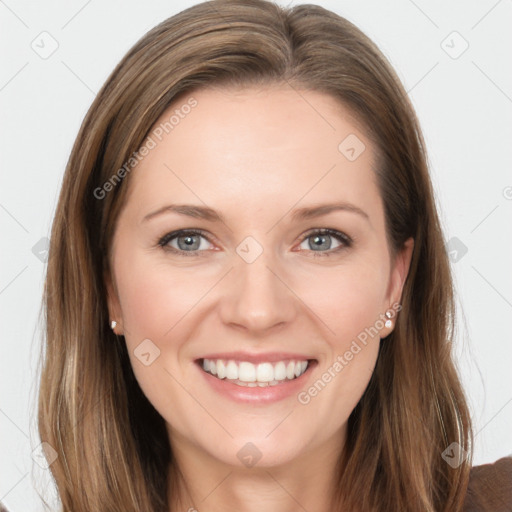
[(246, 374)]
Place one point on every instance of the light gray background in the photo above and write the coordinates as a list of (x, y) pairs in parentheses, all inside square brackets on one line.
[(464, 105)]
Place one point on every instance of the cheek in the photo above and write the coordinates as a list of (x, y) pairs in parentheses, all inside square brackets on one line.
[(155, 301), (347, 299), (153, 298), (158, 303)]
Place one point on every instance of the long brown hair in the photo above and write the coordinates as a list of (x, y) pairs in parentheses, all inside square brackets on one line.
[(112, 445)]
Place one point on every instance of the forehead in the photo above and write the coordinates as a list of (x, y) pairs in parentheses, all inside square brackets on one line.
[(256, 147)]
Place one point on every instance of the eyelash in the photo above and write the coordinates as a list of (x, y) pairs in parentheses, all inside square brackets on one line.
[(341, 237)]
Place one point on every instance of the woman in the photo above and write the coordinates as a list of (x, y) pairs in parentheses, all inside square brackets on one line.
[(248, 300)]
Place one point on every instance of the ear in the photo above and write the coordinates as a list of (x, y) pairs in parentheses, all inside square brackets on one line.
[(114, 306), (399, 272)]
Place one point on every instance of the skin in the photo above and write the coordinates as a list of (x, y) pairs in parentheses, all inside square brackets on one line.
[(254, 155)]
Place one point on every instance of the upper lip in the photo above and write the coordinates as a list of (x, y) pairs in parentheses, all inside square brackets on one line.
[(270, 357)]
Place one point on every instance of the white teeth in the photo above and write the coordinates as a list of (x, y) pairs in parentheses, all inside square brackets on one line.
[(232, 371), (280, 370), (265, 372), (248, 374), (290, 370), (221, 369)]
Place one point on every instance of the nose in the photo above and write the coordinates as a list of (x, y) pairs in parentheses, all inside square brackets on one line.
[(256, 297)]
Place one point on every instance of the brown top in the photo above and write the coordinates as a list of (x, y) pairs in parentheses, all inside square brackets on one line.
[(490, 487)]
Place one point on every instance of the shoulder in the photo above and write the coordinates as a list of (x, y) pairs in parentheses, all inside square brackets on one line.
[(490, 487)]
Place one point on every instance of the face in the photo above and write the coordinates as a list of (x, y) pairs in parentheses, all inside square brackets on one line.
[(257, 280)]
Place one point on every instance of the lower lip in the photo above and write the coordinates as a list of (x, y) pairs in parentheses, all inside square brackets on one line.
[(258, 395)]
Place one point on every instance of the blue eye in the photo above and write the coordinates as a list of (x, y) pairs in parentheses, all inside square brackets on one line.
[(321, 239), (189, 242)]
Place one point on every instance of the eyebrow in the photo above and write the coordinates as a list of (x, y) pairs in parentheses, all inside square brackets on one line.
[(190, 210), (323, 209), (206, 213)]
